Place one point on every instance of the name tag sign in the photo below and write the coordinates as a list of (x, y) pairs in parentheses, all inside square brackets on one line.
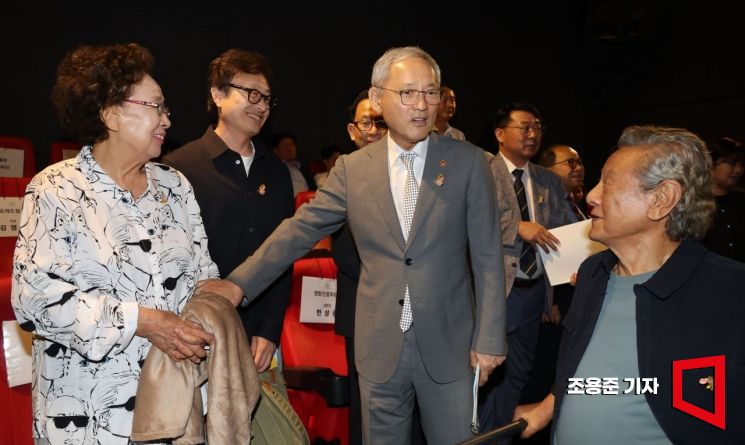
[(318, 300), (11, 163), (10, 214), (17, 346)]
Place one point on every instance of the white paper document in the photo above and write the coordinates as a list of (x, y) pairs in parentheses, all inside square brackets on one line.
[(575, 247)]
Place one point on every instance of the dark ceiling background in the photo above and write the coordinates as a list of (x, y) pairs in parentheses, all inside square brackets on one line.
[(591, 67)]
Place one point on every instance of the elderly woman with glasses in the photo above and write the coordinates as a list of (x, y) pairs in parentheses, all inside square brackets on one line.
[(109, 250)]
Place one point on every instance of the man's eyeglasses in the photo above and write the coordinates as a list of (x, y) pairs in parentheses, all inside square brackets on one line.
[(525, 129), (366, 125), (254, 96), (161, 108), (410, 97), (571, 162)]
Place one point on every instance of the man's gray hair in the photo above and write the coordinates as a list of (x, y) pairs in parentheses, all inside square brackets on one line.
[(382, 67), (679, 155)]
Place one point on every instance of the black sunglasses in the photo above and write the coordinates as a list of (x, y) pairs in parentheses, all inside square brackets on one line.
[(61, 422)]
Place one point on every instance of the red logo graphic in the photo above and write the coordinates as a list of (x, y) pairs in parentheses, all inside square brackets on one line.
[(717, 362)]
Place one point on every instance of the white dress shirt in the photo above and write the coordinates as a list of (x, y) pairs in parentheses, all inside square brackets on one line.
[(397, 172)]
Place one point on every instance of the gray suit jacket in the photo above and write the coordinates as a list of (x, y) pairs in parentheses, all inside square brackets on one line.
[(551, 210), (456, 214)]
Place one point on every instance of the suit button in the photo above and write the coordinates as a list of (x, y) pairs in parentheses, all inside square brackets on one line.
[(401, 302), (250, 230), (409, 261)]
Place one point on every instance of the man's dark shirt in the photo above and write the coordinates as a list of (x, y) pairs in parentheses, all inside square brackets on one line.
[(239, 213), (692, 307)]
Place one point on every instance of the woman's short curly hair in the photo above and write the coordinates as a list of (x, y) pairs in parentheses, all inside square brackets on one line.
[(91, 79), (679, 155)]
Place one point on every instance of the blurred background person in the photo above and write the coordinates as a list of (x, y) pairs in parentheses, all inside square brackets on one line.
[(285, 148), (365, 126), (96, 234), (727, 233), (329, 155), (568, 165), (445, 112), (243, 189)]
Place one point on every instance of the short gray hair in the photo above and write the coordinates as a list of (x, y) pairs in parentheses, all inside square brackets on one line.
[(382, 67), (679, 155)]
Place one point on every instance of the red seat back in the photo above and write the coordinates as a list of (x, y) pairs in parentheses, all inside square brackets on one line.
[(15, 403), (304, 197), (63, 150), (29, 158), (314, 344)]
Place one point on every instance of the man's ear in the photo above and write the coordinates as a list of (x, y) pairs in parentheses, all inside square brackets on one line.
[(499, 134), (110, 117), (350, 130), (374, 95), (665, 197), (217, 96)]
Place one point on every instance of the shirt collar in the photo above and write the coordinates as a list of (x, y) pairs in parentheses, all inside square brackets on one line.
[(671, 275), (511, 167), (215, 147), (394, 150), (104, 186)]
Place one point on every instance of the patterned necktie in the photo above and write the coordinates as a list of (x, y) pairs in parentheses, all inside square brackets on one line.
[(411, 191), (575, 208), (527, 256)]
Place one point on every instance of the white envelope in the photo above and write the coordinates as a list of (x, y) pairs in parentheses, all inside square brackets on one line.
[(575, 247)]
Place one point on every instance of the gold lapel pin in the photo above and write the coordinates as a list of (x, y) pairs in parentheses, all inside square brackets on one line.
[(708, 382), (439, 180), (262, 189)]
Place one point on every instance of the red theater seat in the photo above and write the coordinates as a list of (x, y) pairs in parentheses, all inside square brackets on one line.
[(315, 366), (29, 159), (304, 197), (63, 150), (15, 403)]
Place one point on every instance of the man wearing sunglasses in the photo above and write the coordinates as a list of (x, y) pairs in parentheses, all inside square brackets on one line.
[(244, 190)]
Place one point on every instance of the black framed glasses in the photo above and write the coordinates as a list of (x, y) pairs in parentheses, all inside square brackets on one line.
[(571, 162), (410, 97), (525, 129), (61, 422), (366, 125), (254, 96), (161, 108)]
